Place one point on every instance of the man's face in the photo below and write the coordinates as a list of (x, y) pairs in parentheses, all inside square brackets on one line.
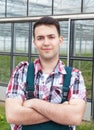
[(47, 41)]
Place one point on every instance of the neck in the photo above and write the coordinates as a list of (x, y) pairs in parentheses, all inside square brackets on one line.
[(48, 65)]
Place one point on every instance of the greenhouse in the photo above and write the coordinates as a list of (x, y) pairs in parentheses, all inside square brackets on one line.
[(76, 19)]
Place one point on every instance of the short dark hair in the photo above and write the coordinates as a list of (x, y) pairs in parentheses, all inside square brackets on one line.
[(47, 20)]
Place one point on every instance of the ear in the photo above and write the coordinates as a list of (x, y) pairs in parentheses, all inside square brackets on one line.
[(60, 40), (34, 43)]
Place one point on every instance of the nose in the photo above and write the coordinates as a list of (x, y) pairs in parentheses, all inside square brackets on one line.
[(46, 41)]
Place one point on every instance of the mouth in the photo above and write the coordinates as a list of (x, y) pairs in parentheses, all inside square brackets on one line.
[(46, 49)]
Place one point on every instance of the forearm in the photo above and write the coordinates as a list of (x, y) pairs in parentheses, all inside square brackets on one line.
[(16, 113), (66, 113)]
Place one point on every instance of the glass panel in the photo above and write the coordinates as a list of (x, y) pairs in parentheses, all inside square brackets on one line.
[(2, 8), (67, 6), (34, 50), (33, 58), (4, 69), (21, 35), (16, 8), (18, 59), (83, 38), (86, 69), (64, 33), (88, 6), (38, 7), (64, 61), (5, 37)]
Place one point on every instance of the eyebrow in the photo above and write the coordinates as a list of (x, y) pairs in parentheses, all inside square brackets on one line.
[(47, 35)]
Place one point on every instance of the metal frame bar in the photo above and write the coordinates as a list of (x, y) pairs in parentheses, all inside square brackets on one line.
[(27, 7), (59, 17), (81, 6), (30, 42), (11, 53), (5, 8), (69, 33), (52, 7), (92, 106)]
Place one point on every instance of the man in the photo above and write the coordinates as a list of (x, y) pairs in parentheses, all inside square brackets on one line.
[(48, 81)]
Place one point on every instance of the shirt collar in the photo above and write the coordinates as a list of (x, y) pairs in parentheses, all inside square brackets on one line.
[(37, 66), (60, 67)]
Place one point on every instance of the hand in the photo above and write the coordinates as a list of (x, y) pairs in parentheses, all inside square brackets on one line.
[(66, 103), (28, 103)]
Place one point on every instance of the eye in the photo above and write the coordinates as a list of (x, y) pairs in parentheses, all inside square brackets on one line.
[(51, 37), (39, 38)]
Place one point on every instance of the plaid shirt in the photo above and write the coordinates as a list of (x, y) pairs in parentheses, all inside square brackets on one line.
[(51, 85)]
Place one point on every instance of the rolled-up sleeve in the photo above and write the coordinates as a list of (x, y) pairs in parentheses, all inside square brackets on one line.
[(77, 86), (17, 84)]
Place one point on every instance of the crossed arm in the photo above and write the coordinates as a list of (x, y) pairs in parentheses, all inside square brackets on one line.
[(17, 113), (36, 111)]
